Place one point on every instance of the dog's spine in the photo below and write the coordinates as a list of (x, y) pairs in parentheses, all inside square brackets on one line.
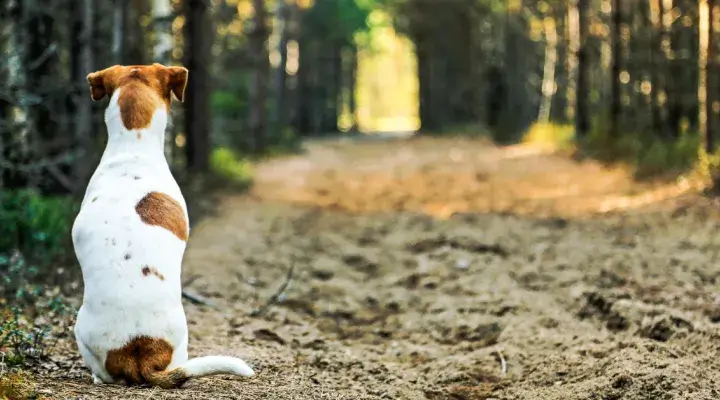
[(198, 367)]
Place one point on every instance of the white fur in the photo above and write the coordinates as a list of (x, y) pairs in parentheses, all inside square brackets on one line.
[(112, 245)]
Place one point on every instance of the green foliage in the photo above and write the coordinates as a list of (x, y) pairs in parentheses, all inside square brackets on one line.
[(649, 154), (35, 224), (34, 239), (226, 164), (23, 338), (560, 136), (338, 20), (28, 313)]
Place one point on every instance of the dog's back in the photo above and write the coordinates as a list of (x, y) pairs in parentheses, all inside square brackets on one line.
[(129, 238)]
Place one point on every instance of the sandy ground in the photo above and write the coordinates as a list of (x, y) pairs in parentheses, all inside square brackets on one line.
[(448, 269)]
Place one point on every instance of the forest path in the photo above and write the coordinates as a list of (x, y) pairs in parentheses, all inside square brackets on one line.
[(448, 269)]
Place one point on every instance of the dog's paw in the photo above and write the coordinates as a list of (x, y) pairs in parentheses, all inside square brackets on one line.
[(97, 380)]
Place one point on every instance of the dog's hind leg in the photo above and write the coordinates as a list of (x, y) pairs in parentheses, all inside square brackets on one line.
[(94, 364)]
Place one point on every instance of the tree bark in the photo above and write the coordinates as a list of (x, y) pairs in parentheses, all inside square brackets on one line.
[(711, 78), (352, 86), (82, 103), (582, 116), (13, 87), (120, 14), (162, 13), (656, 67), (198, 40), (548, 84), (573, 32), (705, 81), (283, 20), (667, 82), (261, 71), (704, 42), (615, 102)]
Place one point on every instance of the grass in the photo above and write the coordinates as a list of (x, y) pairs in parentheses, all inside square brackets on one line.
[(18, 385), (650, 156)]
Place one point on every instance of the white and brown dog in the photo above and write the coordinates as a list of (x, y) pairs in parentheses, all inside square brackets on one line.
[(130, 236)]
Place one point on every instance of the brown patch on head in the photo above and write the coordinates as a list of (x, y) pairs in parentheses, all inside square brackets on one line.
[(144, 88), (162, 210), (143, 360), (152, 271)]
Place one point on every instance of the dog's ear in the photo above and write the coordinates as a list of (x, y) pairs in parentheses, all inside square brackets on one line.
[(177, 81), (100, 85)]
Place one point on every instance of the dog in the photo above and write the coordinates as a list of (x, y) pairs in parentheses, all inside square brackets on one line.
[(129, 238)]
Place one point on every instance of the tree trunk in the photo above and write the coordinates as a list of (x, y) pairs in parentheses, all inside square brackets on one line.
[(352, 86), (582, 116), (573, 32), (283, 20), (42, 63), (615, 102), (427, 114), (120, 13), (261, 71), (162, 13), (711, 79), (331, 89), (198, 40), (706, 54), (136, 50), (656, 67), (11, 133), (667, 85), (82, 103), (549, 84), (702, 79)]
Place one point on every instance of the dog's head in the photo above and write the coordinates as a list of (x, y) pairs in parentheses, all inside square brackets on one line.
[(143, 88)]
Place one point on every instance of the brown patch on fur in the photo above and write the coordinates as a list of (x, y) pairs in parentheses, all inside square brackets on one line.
[(162, 210), (152, 270), (143, 361), (139, 136), (144, 89)]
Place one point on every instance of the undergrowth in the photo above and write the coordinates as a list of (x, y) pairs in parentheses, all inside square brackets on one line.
[(35, 250), (649, 155), (226, 164), (18, 385)]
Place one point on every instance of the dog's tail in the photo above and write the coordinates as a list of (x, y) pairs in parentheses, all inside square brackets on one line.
[(198, 367)]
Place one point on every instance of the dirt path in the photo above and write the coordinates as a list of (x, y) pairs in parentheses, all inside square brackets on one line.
[(450, 269)]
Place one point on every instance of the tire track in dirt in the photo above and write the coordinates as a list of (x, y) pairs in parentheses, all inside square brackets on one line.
[(421, 264)]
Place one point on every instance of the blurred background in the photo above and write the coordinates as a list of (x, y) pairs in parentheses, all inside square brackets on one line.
[(625, 81), (619, 81), (552, 108)]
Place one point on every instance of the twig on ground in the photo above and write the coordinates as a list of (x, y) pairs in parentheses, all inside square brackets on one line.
[(191, 280), (503, 364), (197, 299), (275, 297), (151, 393)]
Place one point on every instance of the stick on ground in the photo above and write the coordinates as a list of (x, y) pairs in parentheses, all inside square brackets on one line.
[(503, 363), (197, 299), (274, 298)]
